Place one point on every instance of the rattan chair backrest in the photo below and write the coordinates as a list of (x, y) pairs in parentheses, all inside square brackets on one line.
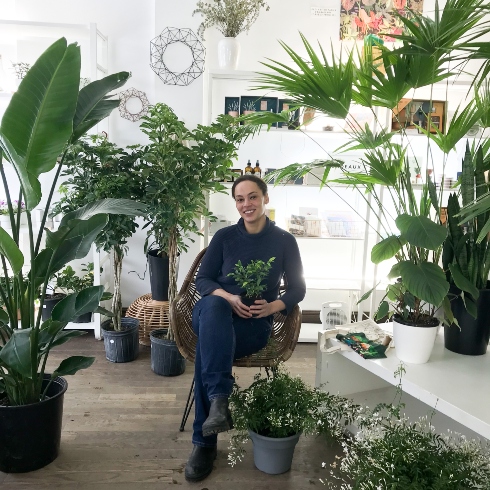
[(284, 335)]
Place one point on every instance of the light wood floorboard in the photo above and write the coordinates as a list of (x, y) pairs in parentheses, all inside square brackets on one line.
[(121, 431)]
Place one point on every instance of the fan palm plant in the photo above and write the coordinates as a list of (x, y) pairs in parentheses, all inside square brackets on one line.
[(431, 51)]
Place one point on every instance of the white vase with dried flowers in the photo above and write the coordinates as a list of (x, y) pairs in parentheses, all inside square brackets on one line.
[(230, 17)]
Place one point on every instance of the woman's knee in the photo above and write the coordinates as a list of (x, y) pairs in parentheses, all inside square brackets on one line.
[(212, 308)]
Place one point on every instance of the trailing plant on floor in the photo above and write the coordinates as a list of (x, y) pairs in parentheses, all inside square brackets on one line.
[(391, 451), (430, 51), (278, 404), (98, 169), (46, 114)]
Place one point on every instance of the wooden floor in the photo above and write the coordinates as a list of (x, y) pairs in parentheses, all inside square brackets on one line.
[(121, 431)]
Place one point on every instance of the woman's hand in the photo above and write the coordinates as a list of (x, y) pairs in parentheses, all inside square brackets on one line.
[(238, 307), (261, 308)]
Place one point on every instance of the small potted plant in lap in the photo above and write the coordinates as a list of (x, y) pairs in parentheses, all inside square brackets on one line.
[(251, 279), (275, 410)]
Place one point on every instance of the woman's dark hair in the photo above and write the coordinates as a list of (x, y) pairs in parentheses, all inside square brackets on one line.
[(253, 178)]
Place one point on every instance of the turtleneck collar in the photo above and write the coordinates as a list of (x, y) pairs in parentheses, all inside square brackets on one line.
[(269, 225)]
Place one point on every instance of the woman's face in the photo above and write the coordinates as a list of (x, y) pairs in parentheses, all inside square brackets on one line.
[(250, 202)]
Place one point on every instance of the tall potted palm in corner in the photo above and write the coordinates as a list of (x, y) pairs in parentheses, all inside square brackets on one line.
[(45, 114), (178, 167), (411, 230), (98, 169), (466, 261)]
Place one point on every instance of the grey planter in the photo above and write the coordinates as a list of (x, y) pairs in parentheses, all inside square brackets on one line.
[(273, 455), (121, 346), (166, 360)]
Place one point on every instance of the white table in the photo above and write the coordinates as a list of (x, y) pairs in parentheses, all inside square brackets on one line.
[(457, 386)]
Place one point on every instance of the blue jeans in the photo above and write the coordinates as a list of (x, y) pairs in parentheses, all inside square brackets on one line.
[(222, 337)]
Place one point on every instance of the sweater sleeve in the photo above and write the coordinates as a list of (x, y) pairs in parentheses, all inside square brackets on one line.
[(206, 280), (293, 269)]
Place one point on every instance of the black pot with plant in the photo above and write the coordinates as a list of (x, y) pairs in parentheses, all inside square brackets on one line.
[(251, 278), (466, 259), (67, 282), (176, 176), (48, 112)]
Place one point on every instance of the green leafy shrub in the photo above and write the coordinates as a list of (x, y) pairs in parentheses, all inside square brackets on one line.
[(281, 405), (251, 277)]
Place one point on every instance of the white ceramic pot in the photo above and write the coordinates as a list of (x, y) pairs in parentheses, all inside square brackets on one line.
[(5, 222), (414, 344), (228, 53)]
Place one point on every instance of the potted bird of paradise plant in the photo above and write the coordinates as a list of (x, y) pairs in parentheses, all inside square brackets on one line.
[(47, 113)]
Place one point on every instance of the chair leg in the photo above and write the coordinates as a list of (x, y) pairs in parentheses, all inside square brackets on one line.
[(188, 407)]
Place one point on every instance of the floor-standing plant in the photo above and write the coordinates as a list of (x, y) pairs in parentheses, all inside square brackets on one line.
[(409, 215), (178, 167), (98, 169), (45, 114)]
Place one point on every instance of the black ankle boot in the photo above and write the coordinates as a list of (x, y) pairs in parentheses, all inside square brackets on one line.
[(200, 463), (219, 418)]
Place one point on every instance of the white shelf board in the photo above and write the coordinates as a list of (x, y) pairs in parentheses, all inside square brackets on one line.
[(309, 332), (453, 384)]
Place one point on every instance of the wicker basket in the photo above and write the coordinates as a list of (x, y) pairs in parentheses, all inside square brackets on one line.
[(151, 314)]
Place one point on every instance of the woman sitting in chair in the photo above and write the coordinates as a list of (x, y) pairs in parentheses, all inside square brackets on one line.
[(225, 327)]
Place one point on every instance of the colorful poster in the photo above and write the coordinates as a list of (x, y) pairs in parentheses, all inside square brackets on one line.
[(362, 17)]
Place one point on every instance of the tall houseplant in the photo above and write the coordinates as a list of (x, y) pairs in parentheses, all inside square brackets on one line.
[(179, 166), (98, 169), (467, 261), (411, 230), (230, 17), (45, 114)]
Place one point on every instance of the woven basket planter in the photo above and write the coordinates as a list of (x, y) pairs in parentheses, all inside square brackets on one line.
[(151, 314)]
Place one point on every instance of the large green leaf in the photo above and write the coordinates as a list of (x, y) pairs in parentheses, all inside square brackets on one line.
[(105, 206), (73, 364), (386, 248), (10, 250), (426, 281), (16, 353), (420, 231), (77, 304), (93, 105), (462, 282), (39, 119)]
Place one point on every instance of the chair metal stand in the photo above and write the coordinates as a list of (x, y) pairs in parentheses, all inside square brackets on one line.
[(188, 407)]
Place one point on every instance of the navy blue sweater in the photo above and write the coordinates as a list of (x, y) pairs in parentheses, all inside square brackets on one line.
[(233, 243)]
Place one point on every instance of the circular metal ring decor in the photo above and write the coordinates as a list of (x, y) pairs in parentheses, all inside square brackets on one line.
[(159, 44), (132, 93)]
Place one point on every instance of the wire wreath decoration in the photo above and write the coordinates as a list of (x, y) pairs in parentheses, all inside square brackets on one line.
[(20, 69), (132, 93), (158, 46)]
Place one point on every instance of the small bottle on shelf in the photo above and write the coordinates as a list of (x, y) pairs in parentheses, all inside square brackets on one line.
[(257, 170), (248, 169)]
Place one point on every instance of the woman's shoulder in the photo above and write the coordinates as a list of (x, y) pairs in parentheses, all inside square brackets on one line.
[(226, 232), (283, 234)]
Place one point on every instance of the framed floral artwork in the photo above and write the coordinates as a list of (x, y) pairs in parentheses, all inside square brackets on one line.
[(359, 18)]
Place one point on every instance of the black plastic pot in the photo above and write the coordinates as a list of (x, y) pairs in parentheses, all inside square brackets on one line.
[(159, 275), (30, 435), (249, 301), (49, 303), (166, 360), (472, 338), (123, 345)]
